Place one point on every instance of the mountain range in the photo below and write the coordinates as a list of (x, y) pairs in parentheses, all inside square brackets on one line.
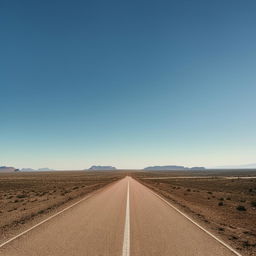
[(101, 168), (172, 167)]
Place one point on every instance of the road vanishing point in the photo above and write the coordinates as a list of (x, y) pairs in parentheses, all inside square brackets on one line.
[(126, 218)]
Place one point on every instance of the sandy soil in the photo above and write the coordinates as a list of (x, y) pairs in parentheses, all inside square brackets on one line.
[(226, 206)]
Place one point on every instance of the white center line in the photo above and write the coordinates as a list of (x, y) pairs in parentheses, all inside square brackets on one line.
[(126, 242)]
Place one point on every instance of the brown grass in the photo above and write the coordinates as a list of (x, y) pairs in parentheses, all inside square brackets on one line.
[(225, 206)]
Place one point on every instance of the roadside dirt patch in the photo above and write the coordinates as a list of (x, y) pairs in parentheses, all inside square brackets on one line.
[(225, 206), (25, 196)]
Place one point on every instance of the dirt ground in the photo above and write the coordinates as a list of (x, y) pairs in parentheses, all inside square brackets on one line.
[(27, 196), (222, 202)]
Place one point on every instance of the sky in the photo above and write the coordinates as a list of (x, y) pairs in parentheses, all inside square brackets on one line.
[(127, 83)]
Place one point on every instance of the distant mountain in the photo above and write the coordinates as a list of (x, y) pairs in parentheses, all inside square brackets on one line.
[(44, 170), (27, 170), (172, 168), (8, 169), (197, 168), (165, 168), (101, 168)]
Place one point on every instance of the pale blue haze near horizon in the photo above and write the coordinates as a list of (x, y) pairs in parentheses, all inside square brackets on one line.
[(127, 83)]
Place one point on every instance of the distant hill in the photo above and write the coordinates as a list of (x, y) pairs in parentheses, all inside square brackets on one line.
[(172, 168), (165, 168), (199, 168), (27, 170), (44, 170), (101, 168), (8, 169)]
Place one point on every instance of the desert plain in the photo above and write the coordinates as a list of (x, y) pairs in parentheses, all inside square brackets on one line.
[(223, 202)]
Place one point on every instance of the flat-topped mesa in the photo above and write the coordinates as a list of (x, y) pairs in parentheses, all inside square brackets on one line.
[(44, 169), (172, 168), (101, 168), (197, 168), (8, 169)]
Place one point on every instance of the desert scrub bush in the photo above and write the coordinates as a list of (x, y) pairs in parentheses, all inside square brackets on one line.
[(188, 189), (248, 244), (253, 203), (21, 196), (241, 208), (220, 204)]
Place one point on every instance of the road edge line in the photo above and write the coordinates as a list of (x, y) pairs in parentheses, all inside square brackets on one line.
[(194, 222)]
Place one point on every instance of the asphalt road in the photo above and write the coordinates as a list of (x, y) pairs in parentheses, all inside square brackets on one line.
[(123, 219)]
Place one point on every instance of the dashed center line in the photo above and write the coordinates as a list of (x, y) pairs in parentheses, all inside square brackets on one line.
[(126, 242)]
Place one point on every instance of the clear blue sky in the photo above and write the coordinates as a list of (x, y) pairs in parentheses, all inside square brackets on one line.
[(127, 83)]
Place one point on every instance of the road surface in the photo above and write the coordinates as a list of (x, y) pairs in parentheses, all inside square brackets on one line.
[(123, 219)]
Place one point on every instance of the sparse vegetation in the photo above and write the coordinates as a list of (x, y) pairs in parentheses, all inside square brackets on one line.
[(224, 204), (21, 196), (42, 192), (241, 208)]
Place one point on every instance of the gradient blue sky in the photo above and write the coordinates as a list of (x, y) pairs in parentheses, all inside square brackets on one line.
[(127, 83)]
